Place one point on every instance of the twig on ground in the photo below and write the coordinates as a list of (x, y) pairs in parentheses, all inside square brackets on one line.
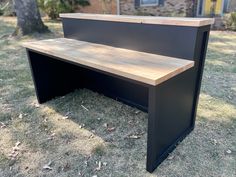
[(84, 107)]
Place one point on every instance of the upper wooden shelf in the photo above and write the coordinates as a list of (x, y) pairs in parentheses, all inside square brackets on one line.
[(139, 66), (177, 21)]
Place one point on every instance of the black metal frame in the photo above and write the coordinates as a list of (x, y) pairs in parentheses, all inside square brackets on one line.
[(171, 105)]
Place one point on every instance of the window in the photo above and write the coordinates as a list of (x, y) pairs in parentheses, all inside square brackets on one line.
[(148, 2)]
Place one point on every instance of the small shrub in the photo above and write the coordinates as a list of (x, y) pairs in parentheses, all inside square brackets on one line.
[(1, 11), (54, 7), (230, 21), (99, 150)]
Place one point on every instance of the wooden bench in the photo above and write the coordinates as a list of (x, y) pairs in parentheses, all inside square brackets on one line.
[(122, 66)]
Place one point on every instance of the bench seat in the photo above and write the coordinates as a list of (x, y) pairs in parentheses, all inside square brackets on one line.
[(143, 67)]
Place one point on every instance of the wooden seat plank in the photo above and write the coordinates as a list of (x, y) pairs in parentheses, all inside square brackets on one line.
[(139, 66)]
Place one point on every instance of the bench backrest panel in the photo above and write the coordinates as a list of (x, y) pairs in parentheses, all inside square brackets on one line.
[(175, 41)]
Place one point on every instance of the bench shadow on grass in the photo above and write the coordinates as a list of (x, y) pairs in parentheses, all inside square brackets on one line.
[(110, 121), (75, 150), (94, 142)]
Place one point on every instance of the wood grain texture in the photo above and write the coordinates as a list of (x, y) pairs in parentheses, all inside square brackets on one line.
[(177, 21), (143, 67)]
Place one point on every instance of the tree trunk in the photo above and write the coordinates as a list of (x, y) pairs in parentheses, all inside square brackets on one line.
[(28, 17)]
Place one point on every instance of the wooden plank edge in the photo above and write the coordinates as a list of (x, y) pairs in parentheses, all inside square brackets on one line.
[(173, 21), (144, 80), (175, 73)]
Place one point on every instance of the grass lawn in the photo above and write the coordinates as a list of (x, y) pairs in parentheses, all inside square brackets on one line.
[(87, 134)]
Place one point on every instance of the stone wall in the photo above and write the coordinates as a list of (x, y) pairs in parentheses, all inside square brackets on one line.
[(170, 8)]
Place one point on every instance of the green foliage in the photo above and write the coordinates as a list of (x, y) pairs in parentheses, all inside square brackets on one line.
[(230, 21), (99, 150), (6, 8), (1, 9), (54, 7)]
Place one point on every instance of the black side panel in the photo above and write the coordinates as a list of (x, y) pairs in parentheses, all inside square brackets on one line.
[(51, 77), (170, 111), (200, 55)]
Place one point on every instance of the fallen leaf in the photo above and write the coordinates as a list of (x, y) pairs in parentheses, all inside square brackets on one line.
[(65, 117), (214, 141), (111, 129), (68, 113), (170, 157), (105, 125), (99, 166), (91, 136), (36, 105), (16, 148), (82, 125), (86, 163), (17, 143), (48, 166), (20, 116), (13, 154), (2, 125), (66, 167), (130, 122), (134, 136)]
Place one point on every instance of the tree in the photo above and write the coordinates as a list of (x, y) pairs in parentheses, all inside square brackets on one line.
[(28, 17)]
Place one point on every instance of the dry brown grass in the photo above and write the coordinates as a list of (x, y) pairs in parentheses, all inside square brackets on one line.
[(76, 145)]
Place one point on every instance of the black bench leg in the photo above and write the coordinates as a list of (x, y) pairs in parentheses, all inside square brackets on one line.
[(170, 110), (52, 77), (152, 142)]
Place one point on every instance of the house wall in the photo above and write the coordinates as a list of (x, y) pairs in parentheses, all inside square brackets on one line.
[(218, 7), (170, 8), (100, 7)]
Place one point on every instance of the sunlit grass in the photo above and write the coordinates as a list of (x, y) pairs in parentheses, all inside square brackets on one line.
[(81, 139)]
